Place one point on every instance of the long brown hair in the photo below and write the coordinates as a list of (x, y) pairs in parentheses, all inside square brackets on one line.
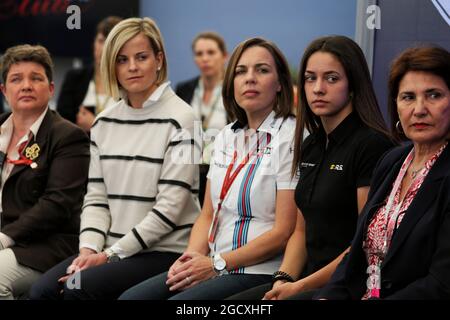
[(284, 98), (364, 101)]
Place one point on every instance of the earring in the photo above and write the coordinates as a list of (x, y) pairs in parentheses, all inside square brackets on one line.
[(159, 68), (399, 128)]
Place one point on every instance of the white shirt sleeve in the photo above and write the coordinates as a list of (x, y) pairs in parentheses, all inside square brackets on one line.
[(283, 148), (6, 241), (90, 246), (282, 161)]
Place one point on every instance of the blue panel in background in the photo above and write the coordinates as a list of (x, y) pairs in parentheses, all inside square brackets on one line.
[(291, 24), (404, 23)]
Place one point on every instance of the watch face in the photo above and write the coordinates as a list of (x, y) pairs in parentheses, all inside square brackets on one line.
[(219, 264), (114, 258)]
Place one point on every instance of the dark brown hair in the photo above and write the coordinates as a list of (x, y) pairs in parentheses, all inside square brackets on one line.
[(430, 59), (364, 101), (105, 26), (27, 53), (284, 98)]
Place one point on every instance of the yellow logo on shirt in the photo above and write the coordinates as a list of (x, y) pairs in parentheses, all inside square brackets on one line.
[(337, 167)]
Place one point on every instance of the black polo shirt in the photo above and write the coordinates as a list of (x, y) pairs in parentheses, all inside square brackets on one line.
[(327, 190)]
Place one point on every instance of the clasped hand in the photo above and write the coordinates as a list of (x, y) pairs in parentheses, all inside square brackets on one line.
[(281, 291), (86, 259), (189, 270)]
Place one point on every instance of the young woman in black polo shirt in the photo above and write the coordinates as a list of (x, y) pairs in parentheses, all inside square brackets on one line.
[(338, 107)]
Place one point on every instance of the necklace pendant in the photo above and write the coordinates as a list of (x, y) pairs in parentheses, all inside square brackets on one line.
[(415, 172)]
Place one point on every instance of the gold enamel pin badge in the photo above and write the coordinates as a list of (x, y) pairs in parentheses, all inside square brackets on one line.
[(32, 152)]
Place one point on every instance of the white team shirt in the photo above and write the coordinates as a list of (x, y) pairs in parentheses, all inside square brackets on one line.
[(248, 209)]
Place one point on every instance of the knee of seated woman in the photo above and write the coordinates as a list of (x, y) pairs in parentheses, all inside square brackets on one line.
[(5, 291)]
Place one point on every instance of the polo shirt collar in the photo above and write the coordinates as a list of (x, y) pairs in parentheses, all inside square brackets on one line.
[(341, 132), (237, 125), (345, 128), (269, 125)]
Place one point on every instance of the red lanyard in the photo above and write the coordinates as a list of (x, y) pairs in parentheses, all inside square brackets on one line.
[(22, 159), (227, 182)]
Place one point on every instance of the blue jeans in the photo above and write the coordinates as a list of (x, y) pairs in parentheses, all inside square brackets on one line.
[(217, 288)]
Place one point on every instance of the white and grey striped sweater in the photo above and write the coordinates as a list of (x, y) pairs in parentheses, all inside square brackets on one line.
[(139, 197)]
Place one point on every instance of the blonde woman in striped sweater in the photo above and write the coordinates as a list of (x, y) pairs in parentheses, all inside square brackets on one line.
[(141, 201)]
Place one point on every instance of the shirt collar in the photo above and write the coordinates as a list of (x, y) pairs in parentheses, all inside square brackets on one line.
[(154, 97), (269, 125), (6, 133), (201, 88), (37, 124), (6, 130), (345, 128), (7, 126)]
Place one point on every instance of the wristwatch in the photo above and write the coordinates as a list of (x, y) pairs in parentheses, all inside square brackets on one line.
[(111, 256), (220, 265)]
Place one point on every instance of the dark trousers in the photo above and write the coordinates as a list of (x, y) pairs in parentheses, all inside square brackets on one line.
[(307, 295), (104, 282), (257, 293), (217, 288)]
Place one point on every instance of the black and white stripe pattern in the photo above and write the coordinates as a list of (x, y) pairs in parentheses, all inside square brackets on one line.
[(139, 196), (138, 122)]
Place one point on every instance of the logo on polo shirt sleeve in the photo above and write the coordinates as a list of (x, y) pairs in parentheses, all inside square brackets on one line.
[(307, 165), (267, 150)]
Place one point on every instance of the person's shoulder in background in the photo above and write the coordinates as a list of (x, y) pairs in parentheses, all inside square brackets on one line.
[(185, 89), (73, 91)]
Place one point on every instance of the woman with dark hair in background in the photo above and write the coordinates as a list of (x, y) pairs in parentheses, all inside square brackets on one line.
[(401, 249), (204, 93), (83, 95)]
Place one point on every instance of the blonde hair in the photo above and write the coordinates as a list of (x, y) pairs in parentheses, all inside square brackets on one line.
[(119, 35)]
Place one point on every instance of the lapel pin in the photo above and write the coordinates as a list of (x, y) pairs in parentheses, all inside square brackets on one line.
[(32, 152)]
